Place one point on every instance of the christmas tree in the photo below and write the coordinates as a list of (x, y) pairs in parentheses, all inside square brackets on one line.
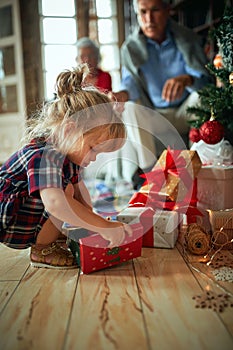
[(216, 100)]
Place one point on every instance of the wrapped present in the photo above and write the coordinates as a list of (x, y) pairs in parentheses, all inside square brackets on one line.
[(171, 184), (214, 187), (156, 202), (174, 173), (133, 215), (160, 227), (92, 253), (141, 215), (222, 228), (164, 230)]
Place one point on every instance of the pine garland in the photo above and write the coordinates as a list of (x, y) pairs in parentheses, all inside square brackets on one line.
[(224, 36)]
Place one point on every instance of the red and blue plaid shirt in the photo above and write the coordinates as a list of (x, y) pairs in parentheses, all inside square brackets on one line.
[(36, 166)]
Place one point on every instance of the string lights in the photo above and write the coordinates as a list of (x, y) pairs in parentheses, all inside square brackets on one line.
[(195, 240)]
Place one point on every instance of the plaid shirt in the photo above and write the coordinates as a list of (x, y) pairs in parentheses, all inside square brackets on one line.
[(32, 168)]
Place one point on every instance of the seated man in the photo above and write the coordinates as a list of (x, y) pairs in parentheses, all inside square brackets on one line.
[(163, 65)]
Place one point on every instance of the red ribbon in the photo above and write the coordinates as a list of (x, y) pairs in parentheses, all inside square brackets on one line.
[(141, 200), (175, 165)]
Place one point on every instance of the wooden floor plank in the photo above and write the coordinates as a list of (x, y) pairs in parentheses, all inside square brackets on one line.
[(51, 309), (199, 263), (6, 290), (166, 289), (207, 281), (14, 263), (38, 313), (107, 313), (204, 275)]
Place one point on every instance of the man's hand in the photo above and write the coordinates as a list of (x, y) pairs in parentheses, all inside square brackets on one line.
[(121, 96), (173, 88)]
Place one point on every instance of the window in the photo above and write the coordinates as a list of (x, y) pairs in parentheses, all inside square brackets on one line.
[(12, 99), (58, 39), (59, 33), (107, 27)]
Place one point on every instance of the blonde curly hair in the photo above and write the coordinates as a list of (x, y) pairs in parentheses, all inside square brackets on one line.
[(76, 111)]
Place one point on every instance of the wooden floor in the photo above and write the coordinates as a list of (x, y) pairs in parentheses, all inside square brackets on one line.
[(144, 304)]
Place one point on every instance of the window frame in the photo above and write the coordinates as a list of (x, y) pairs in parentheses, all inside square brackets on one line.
[(81, 11)]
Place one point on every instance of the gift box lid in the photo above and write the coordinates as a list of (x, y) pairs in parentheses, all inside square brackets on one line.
[(221, 218), (134, 214), (133, 211), (215, 172), (97, 241)]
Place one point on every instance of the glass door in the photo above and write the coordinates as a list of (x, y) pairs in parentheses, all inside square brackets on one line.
[(12, 92)]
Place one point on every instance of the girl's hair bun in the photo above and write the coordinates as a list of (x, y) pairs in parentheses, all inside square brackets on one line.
[(70, 81)]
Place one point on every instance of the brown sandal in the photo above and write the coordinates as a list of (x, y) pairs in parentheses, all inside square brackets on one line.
[(62, 241), (52, 256)]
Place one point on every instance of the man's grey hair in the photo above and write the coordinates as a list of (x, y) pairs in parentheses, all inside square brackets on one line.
[(135, 4), (86, 42)]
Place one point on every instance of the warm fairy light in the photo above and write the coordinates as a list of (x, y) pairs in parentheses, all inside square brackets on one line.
[(207, 287), (220, 245)]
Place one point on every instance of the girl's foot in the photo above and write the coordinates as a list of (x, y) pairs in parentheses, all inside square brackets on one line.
[(52, 256)]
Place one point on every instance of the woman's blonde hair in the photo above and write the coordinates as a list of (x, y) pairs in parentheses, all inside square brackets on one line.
[(76, 111)]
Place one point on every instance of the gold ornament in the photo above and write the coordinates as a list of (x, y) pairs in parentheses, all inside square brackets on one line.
[(231, 78)]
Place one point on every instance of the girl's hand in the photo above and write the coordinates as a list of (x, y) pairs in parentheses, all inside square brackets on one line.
[(115, 234)]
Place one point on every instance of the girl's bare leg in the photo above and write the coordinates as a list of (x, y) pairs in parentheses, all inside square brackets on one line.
[(50, 231)]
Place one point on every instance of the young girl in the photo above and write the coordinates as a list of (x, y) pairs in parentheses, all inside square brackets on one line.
[(41, 185)]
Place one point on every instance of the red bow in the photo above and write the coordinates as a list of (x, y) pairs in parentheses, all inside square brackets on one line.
[(175, 165)]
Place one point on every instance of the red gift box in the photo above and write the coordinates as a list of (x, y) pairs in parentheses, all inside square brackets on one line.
[(95, 254), (171, 185)]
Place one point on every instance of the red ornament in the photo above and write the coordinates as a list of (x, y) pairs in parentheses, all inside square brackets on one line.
[(212, 132), (194, 135)]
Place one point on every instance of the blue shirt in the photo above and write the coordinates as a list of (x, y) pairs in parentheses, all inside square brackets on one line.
[(164, 62)]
